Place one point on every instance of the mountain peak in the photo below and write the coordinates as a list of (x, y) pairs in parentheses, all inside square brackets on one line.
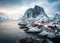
[(38, 8), (34, 12)]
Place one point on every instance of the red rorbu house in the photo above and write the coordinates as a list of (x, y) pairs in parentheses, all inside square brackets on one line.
[(33, 24), (38, 25), (51, 27)]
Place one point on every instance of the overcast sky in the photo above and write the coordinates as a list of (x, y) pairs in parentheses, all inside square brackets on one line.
[(13, 8)]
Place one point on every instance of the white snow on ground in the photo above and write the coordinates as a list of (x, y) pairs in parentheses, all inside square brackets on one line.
[(46, 31), (34, 29), (43, 33)]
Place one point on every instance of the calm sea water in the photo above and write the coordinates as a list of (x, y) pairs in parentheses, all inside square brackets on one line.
[(10, 32)]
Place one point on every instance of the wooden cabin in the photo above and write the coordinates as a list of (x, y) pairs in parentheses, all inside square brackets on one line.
[(51, 27), (33, 24)]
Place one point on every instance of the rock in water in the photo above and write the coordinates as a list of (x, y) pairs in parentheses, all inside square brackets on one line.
[(28, 40)]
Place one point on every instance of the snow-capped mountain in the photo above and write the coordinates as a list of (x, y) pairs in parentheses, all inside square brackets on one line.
[(34, 14), (40, 24), (3, 17)]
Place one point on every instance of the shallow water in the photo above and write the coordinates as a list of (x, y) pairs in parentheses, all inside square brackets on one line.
[(10, 32)]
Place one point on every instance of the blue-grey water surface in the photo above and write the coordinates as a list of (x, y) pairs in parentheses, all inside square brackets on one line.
[(10, 32)]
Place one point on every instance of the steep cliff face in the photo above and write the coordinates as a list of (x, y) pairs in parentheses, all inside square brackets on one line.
[(34, 12)]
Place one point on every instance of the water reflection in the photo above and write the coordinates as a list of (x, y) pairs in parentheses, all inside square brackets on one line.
[(10, 32)]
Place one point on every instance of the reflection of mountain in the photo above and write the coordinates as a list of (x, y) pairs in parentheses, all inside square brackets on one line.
[(3, 17)]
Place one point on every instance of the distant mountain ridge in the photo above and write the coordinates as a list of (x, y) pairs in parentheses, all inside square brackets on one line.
[(57, 17), (3, 17)]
